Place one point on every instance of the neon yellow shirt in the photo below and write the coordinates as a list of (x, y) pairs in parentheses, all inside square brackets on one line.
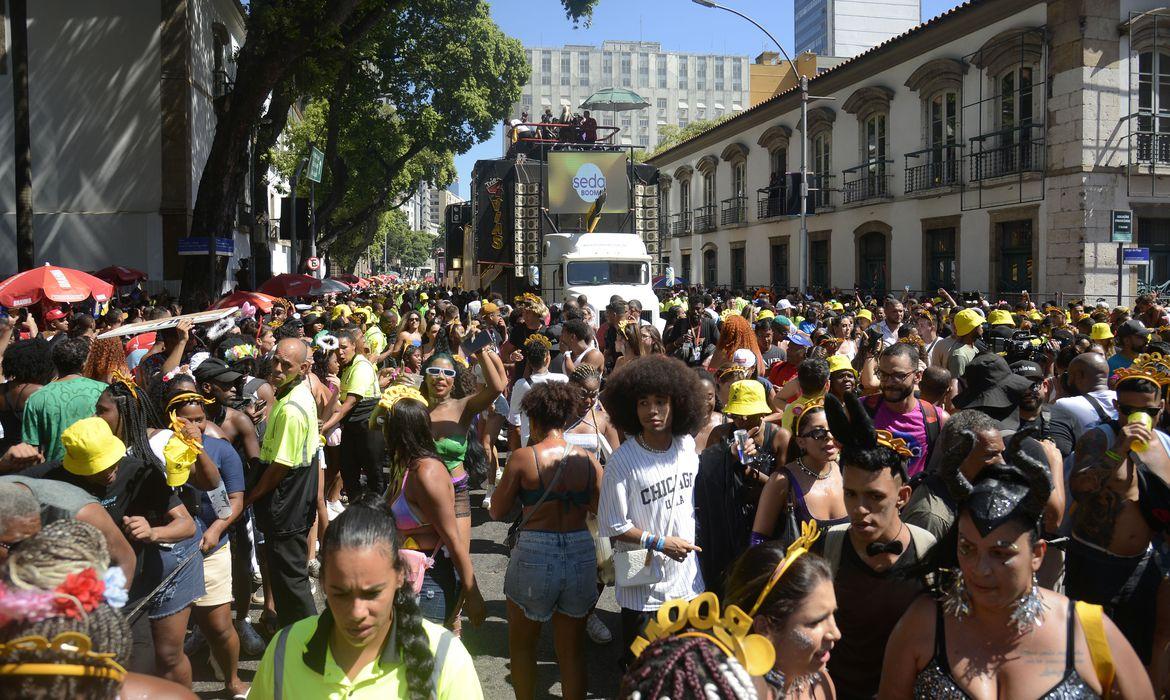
[(360, 378), (385, 678), (291, 439), (790, 411)]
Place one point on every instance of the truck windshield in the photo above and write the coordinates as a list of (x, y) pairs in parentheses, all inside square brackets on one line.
[(596, 272)]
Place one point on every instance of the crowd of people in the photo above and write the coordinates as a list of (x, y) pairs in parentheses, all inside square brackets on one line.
[(569, 127), (791, 497)]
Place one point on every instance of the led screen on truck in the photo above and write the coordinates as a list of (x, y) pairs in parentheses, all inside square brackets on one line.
[(576, 180)]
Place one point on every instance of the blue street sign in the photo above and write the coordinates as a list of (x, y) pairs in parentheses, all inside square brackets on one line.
[(1135, 256), (197, 245)]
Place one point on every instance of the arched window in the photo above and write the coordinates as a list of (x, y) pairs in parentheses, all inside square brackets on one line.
[(1153, 120), (822, 165), (872, 265), (710, 267)]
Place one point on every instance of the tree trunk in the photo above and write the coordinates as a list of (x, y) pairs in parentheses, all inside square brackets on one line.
[(22, 136), (264, 62)]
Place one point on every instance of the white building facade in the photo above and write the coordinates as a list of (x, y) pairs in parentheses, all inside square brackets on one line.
[(122, 119), (847, 28), (984, 150), (680, 87)]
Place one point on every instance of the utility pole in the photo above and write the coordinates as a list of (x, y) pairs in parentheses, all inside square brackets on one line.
[(22, 136), (802, 240)]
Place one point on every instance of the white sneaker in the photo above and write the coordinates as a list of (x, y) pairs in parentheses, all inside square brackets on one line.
[(597, 630)]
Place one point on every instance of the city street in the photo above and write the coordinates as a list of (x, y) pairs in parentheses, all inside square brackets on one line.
[(489, 644)]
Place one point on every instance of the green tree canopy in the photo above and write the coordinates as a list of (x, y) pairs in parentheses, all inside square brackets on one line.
[(670, 135)]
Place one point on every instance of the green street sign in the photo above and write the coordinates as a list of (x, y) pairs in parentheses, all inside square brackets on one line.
[(1122, 229), (316, 164)]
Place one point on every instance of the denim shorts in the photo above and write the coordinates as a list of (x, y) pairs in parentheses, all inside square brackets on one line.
[(552, 572), (440, 589), (182, 590)]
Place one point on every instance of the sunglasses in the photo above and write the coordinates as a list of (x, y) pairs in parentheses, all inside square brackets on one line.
[(590, 394), (1151, 411), (818, 434), (441, 371)]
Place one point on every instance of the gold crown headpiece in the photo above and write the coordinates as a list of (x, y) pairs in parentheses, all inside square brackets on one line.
[(808, 535), (530, 300), (125, 380), (71, 643), (1153, 366), (538, 339), (799, 412), (727, 629), (886, 439), (914, 340), (398, 392)]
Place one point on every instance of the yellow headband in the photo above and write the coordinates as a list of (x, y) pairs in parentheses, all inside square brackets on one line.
[(397, 393), (187, 397), (808, 534), (728, 631), (886, 439), (125, 380), (65, 642)]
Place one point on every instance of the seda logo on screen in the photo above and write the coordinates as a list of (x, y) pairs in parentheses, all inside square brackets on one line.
[(589, 182)]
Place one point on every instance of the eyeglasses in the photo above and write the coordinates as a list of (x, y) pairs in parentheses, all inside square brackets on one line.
[(895, 376), (441, 371), (1151, 411), (818, 434)]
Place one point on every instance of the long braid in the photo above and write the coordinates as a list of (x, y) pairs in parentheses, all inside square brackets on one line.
[(137, 414), (42, 563), (414, 646), (685, 667)]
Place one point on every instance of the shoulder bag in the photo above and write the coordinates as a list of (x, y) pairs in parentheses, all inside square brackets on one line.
[(514, 531)]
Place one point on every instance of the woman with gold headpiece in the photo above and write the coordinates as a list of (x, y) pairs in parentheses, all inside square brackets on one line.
[(810, 480), (788, 592), (422, 501), (994, 632)]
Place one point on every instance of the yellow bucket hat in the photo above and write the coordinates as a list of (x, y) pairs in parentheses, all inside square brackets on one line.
[(746, 398), (1101, 331), (967, 320), (866, 314), (91, 447), (1000, 317), (339, 311), (838, 363)]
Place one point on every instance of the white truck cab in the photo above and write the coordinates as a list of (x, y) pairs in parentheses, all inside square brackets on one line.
[(598, 265)]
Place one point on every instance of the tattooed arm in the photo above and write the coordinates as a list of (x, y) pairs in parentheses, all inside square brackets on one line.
[(1097, 486)]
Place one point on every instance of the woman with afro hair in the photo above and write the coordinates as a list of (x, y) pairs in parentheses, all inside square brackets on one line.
[(646, 497)]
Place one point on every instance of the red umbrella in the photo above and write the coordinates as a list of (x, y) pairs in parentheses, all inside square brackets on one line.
[(290, 285), (259, 300), (351, 280), (119, 275), (59, 284)]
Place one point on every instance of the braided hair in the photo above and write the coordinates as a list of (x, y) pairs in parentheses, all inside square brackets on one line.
[(583, 373), (41, 563), (136, 414), (686, 667), (368, 524)]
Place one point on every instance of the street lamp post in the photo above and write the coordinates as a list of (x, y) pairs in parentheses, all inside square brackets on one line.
[(802, 241)]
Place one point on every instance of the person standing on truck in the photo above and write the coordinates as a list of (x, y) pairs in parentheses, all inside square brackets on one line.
[(588, 129)]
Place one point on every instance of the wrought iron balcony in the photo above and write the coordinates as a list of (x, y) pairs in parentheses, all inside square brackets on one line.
[(770, 201), (824, 187), (705, 218), (934, 168), (1008, 152), (1147, 145), (733, 211), (870, 180), (680, 224)]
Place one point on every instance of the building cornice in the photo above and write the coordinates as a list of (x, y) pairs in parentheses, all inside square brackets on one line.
[(943, 29)]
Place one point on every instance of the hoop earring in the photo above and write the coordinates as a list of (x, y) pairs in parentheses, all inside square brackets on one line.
[(1028, 610), (956, 600)]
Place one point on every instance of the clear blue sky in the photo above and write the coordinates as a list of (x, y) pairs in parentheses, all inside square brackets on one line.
[(679, 25)]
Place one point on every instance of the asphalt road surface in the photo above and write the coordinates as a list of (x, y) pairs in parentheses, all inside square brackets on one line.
[(488, 643)]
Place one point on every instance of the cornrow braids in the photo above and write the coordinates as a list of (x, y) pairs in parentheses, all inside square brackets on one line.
[(584, 372), (686, 667), (63, 547), (106, 628), (414, 646)]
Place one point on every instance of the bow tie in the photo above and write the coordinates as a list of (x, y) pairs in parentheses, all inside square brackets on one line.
[(874, 549)]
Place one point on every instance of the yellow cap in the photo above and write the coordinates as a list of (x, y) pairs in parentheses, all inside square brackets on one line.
[(746, 398), (966, 321), (765, 315), (1036, 315), (91, 447), (866, 314), (1101, 331), (1000, 317), (840, 362), (339, 311), (423, 297), (835, 305)]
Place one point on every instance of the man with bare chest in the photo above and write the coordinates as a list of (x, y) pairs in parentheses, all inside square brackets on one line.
[(1120, 484)]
